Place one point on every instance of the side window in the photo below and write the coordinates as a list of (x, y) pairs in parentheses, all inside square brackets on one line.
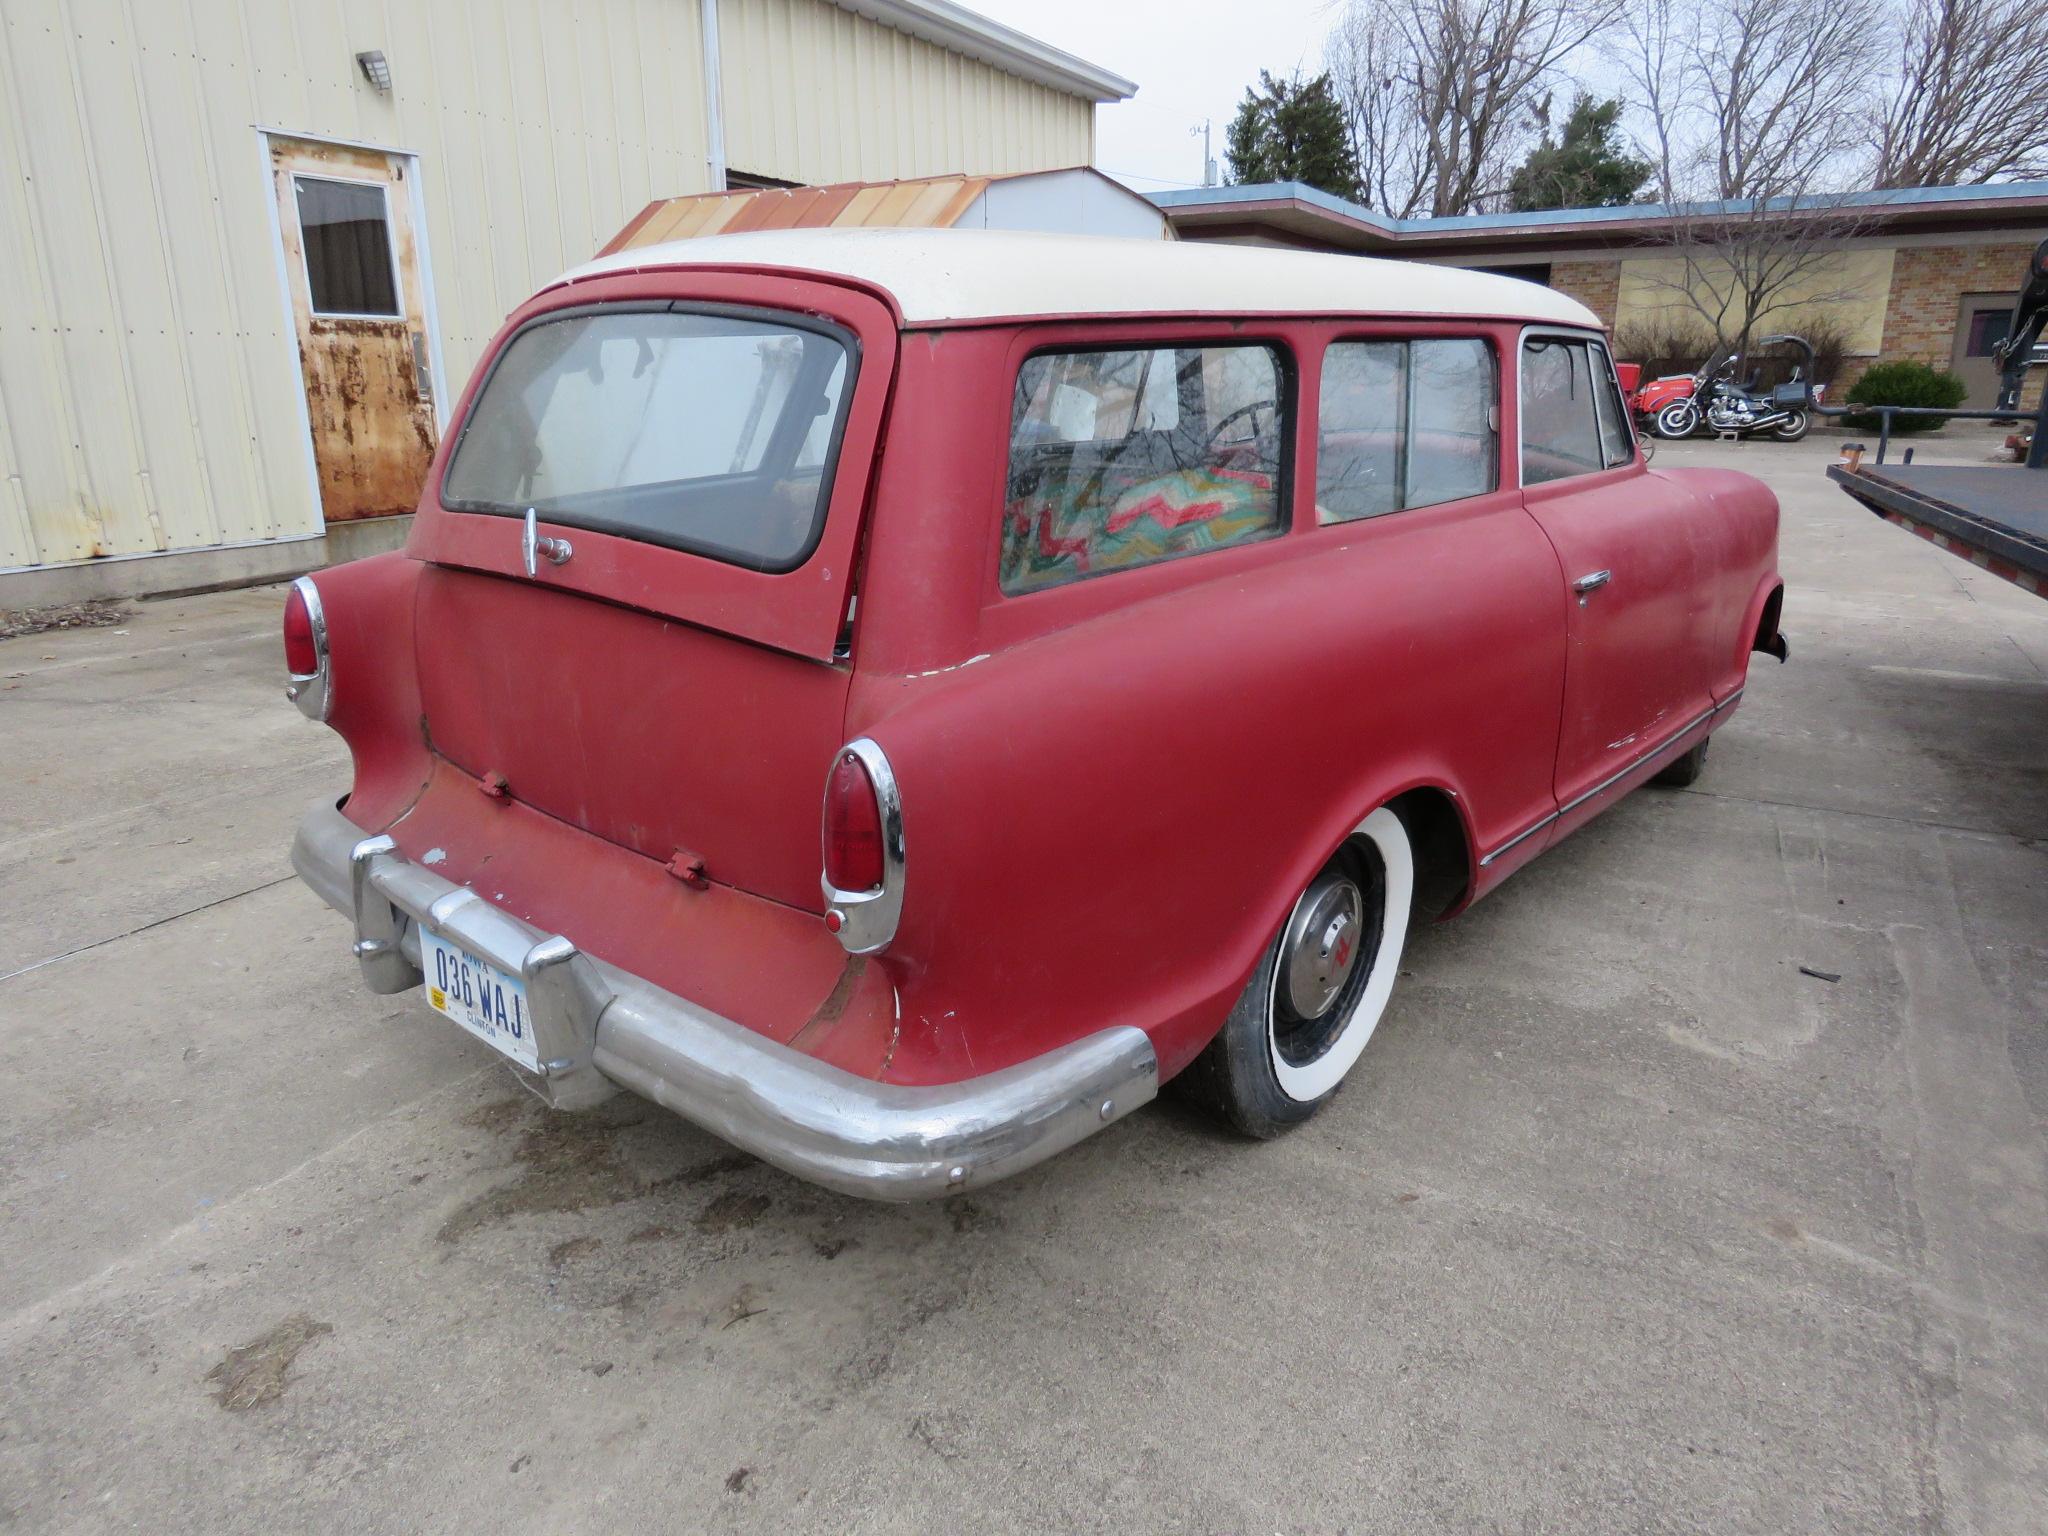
[(1573, 418), (1617, 438), (1403, 424), (1125, 458)]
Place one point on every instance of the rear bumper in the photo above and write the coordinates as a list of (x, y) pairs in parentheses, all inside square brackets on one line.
[(599, 1028)]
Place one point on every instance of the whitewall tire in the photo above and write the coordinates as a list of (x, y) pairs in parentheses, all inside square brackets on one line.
[(1320, 989)]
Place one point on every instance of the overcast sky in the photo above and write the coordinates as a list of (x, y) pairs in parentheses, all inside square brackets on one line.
[(1191, 61)]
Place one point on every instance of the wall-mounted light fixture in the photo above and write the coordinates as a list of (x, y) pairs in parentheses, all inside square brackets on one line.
[(376, 69)]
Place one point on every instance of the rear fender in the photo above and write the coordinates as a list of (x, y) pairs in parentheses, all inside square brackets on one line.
[(374, 682), (1760, 623)]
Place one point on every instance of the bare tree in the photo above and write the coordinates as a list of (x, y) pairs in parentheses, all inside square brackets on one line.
[(1971, 99), (1441, 94), (1755, 107)]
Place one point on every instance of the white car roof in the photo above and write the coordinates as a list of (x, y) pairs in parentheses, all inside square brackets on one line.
[(940, 276)]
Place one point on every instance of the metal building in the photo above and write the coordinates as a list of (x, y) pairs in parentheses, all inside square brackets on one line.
[(251, 249)]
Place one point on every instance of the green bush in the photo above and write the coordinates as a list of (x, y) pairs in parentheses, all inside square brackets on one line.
[(1904, 384)]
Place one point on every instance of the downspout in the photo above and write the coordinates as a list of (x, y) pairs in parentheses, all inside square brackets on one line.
[(714, 99)]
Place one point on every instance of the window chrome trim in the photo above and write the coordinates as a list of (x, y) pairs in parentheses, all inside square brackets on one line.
[(310, 690), (1567, 333), (1612, 779), (867, 919)]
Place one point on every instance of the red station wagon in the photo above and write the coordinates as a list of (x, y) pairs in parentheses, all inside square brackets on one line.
[(1157, 630)]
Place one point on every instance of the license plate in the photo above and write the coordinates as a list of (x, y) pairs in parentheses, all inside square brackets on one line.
[(481, 998)]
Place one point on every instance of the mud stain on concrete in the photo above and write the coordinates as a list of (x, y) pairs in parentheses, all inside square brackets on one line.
[(501, 1116), (257, 1372), (570, 1163), (573, 1162), (732, 1211)]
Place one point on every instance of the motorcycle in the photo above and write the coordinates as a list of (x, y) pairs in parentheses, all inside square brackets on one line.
[(1680, 405)]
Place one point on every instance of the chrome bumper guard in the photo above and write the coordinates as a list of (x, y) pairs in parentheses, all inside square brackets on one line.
[(599, 1028)]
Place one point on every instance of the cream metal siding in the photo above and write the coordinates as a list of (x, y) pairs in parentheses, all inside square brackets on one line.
[(150, 396), (817, 94), (149, 390)]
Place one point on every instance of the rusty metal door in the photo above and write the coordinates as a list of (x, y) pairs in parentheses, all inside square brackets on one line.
[(358, 304)]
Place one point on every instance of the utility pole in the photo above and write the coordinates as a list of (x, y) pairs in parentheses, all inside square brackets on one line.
[(1208, 160)]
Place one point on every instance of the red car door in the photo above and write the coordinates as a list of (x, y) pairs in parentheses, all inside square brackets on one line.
[(1640, 642)]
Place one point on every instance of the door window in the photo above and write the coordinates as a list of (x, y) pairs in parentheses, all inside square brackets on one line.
[(1573, 419), (1988, 327), (1404, 424), (1126, 458), (347, 236)]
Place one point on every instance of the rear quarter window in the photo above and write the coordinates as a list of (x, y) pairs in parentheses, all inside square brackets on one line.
[(1404, 424), (708, 432), (1128, 457)]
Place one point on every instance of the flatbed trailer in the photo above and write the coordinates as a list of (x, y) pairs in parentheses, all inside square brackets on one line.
[(1993, 516)]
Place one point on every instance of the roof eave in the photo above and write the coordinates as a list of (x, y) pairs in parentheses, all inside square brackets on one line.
[(1294, 208), (961, 31)]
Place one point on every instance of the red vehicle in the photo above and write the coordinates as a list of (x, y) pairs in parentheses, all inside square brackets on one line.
[(1157, 629), (1649, 400)]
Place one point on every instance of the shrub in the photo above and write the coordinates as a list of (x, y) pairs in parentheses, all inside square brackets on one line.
[(1830, 343), (1663, 346), (1904, 383), (1775, 365)]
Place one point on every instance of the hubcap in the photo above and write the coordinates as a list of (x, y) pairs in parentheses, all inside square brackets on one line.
[(1320, 950)]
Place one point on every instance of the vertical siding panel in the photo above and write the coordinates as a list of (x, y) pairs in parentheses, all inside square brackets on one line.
[(216, 331), (234, 96), (115, 443), (44, 407), (188, 500)]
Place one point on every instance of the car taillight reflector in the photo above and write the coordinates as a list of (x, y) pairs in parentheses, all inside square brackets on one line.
[(853, 827), (301, 655)]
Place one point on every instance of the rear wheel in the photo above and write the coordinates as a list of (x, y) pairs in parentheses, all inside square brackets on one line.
[(1678, 419), (1686, 769), (1319, 990), (1792, 428)]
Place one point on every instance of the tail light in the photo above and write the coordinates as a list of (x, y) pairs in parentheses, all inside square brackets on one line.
[(863, 825), (853, 828), (305, 649)]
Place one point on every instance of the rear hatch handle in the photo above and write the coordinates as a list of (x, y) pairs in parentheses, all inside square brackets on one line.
[(535, 547)]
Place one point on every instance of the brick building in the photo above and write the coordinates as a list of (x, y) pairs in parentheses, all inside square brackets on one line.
[(1927, 274)]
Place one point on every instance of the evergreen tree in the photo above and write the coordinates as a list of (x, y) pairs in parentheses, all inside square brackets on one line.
[(1292, 130), (1588, 166)]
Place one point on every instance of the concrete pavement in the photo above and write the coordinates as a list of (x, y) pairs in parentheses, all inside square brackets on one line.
[(1624, 1223)]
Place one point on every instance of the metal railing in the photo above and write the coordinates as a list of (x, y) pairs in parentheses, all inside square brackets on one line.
[(2037, 457)]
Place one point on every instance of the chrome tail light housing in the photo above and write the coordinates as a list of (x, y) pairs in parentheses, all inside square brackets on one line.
[(305, 650), (862, 799)]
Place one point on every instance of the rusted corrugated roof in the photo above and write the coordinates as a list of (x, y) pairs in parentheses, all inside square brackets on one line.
[(934, 202)]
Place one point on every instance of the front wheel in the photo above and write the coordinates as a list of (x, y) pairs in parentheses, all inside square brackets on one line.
[(1792, 428), (1678, 419), (1318, 992)]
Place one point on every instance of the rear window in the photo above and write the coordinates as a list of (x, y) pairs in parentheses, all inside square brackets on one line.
[(713, 433), (1126, 458)]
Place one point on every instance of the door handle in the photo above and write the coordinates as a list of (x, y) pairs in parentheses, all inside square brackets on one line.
[(535, 547), (1590, 583)]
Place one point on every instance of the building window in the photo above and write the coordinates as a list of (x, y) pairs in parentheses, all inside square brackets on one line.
[(1121, 459), (1403, 424), (346, 233)]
